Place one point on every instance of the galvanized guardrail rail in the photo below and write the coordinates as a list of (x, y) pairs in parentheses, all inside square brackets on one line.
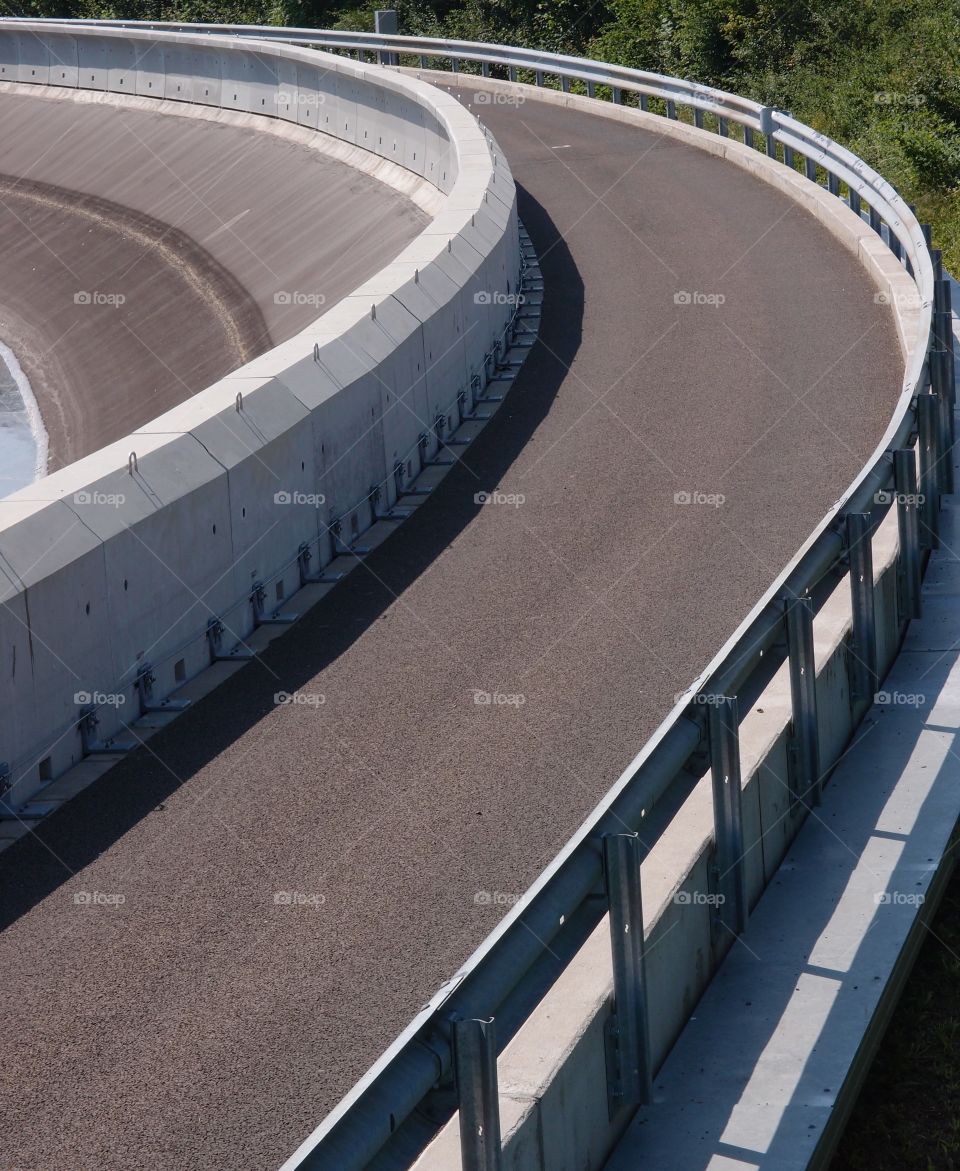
[(449, 1046)]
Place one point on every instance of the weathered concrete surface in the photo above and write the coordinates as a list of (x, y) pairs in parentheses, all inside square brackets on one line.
[(400, 799), (221, 240)]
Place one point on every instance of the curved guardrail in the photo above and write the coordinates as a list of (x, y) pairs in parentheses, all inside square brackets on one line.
[(347, 413), (778, 628)]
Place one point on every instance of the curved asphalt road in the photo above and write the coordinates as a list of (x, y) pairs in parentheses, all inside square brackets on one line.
[(199, 1024), (146, 254)]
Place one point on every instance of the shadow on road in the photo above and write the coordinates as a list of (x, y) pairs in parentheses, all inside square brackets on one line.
[(85, 827)]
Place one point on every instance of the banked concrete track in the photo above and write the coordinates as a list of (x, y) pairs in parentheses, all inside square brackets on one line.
[(147, 254), (199, 1024)]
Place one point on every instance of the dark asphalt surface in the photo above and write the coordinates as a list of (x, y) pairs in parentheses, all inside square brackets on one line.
[(146, 255), (198, 1024)]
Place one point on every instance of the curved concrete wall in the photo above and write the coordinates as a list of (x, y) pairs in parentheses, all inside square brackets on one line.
[(122, 559)]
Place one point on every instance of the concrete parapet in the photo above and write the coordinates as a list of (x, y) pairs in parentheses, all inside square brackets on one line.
[(123, 558)]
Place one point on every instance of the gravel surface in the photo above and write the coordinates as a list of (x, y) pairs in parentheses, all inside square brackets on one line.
[(198, 1024)]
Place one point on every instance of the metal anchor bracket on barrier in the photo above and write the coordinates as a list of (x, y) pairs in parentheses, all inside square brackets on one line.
[(258, 597), (340, 546), (464, 441), (144, 684), (304, 557), (90, 745), (374, 496), (215, 633), (438, 428), (627, 1033), (476, 391), (409, 489)]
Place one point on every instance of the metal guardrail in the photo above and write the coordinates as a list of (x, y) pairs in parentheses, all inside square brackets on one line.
[(598, 870)]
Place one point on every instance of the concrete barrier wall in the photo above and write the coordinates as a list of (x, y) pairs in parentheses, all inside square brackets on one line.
[(124, 557)]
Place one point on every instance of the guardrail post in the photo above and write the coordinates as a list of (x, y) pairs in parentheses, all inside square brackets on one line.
[(617, 96), (698, 117), (475, 1062), (628, 1039), (385, 23), (905, 479), (805, 740), (833, 183), (810, 168), (928, 426), (644, 102), (939, 363), (875, 221), (863, 646), (854, 201), (724, 726), (723, 127), (943, 330), (748, 136)]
